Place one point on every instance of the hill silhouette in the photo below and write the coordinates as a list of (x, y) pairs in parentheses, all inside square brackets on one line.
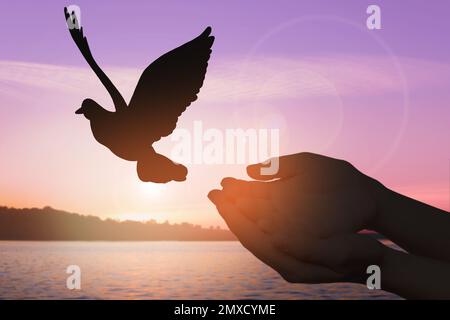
[(48, 224)]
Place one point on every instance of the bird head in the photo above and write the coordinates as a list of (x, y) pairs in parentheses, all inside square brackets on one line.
[(89, 108)]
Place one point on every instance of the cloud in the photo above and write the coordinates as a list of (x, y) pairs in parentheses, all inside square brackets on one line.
[(269, 78), (64, 79), (278, 78)]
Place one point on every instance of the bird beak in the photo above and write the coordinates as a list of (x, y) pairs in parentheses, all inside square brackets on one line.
[(79, 111)]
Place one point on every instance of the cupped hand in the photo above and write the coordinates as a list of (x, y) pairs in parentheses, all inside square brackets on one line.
[(300, 257), (310, 193), (308, 213)]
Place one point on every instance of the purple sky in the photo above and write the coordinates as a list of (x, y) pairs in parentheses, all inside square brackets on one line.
[(309, 68), (131, 33)]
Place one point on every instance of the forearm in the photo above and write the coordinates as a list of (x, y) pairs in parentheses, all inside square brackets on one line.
[(414, 277), (417, 227)]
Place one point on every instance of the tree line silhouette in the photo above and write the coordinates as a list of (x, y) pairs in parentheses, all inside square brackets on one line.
[(48, 224)]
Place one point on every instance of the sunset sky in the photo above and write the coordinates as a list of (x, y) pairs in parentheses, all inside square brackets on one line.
[(379, 99)]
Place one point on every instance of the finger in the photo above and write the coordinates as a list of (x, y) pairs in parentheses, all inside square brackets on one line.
[(260, 245), (230, 213), (255, 209), (266, 170), (277, 167), (307, 248), (284, 166), (270, 225), (235, 188), (251, 199), (328, 214), (345, 254)]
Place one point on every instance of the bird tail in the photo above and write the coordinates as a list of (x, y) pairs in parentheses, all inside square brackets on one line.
[(154, 167)]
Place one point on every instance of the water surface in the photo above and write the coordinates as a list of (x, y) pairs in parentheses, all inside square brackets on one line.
[(152, 270)]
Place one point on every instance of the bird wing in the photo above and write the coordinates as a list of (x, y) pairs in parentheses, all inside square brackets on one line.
[(169, 85), (76, 31)]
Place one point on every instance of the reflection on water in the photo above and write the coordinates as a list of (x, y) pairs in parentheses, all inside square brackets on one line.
[(152, 270)]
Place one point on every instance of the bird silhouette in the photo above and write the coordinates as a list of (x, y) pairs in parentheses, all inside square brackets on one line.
[(164, 91)]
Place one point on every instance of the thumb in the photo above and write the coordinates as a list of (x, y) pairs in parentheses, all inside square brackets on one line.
[(284, 166), (266, 170), (276, 167)]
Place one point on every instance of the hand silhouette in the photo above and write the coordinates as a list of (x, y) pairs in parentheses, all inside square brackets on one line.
[(304, 221), (311, 212), (296, 255), (314, 194)]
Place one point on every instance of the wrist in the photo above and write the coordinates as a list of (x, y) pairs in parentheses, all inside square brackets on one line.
[(391, 268), (384, 199)]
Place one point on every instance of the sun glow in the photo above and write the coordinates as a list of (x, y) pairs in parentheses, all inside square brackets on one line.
[(148, 189)]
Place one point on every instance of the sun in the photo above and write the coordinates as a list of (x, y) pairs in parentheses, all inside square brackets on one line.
[(149, 189)]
